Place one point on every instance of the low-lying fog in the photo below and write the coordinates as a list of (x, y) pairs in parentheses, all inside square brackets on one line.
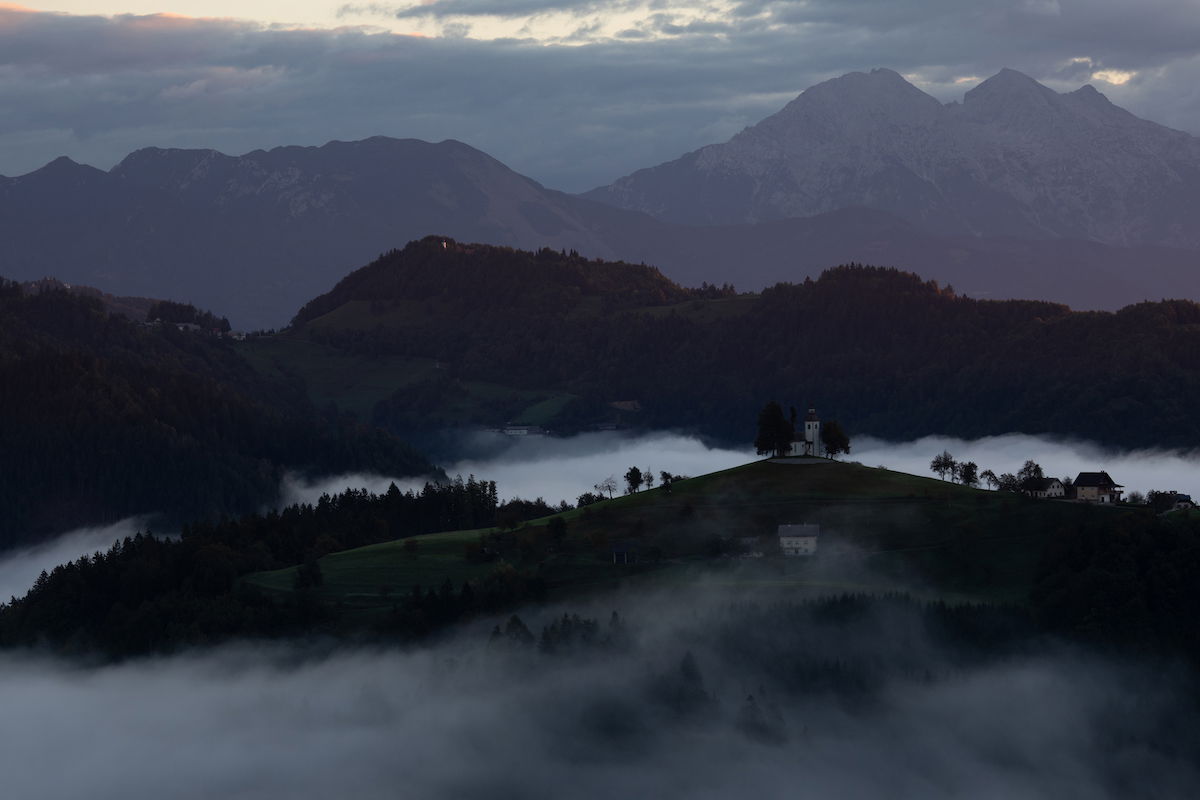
[(562, 469), (831, 717)]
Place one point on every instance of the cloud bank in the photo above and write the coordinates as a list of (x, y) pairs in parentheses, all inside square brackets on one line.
[(1139, 470), (561, 469), (598, 90), (551, 468), (464, 720)]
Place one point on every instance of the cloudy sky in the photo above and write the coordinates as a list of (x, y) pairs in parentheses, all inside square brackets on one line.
[(571, 92)]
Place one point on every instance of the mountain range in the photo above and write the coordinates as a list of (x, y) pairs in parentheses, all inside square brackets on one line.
[(1014, 158), (1016, 192)]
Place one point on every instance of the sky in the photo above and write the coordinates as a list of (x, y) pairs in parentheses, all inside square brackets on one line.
[(573, 93)]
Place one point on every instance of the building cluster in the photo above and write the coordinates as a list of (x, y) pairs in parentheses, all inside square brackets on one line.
[(1088, 487)]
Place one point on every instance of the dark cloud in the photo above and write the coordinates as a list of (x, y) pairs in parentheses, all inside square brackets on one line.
[(570, 116)]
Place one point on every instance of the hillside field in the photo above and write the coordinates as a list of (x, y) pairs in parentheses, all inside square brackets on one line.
[(880, 531)]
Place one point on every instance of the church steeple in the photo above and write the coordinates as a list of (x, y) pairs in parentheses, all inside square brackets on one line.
[(812, 433)]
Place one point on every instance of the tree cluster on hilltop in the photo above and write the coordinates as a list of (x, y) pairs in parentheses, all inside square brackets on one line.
[(177, 313), (897, 356), (104, 419)]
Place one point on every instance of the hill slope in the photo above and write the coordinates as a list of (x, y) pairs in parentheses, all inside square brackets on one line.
[(881, 350)]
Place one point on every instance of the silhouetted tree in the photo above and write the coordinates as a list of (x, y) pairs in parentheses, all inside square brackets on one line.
[(775, 433), (834, 439), (942, 464), (967, 473), (633, 480)]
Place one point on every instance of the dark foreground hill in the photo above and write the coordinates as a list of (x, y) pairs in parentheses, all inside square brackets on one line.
[(104, 418), (448, 335), (1111, 576)]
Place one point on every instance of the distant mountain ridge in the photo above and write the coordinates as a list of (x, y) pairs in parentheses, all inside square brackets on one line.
[(865, 168), (1014, 158), (256, 236)]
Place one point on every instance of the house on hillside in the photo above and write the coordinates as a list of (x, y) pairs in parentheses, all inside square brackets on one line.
[(1045, 487), (807, 441), (798, 540), (1097, 487)]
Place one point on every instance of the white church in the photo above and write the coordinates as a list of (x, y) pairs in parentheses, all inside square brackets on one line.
[(807, 442)]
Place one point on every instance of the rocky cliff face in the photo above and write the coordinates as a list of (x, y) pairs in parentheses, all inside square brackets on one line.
[(1014, 158)]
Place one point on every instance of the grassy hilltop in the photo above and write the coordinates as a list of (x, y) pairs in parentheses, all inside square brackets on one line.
[(880, 531)]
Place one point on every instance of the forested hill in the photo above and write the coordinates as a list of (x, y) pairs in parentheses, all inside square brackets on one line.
[(881, 350), (494, 280), (104, 418)]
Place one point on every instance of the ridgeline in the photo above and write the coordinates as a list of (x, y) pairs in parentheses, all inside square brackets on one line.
[(445, 335)]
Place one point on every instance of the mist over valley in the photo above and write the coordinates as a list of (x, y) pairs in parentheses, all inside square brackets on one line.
[(704, 693)]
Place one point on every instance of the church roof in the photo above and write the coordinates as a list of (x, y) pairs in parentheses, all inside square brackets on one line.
[(811, 416)]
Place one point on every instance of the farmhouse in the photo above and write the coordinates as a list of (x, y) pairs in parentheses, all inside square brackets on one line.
[(1097, 487), (808, 441), (1045, 487), (798, 540)]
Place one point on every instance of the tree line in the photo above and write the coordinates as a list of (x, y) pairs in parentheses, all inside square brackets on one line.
[(149, 594)]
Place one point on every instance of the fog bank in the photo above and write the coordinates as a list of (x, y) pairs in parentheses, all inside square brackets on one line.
[(561, 469), (552, 468), (469, 719), (1136, 470)]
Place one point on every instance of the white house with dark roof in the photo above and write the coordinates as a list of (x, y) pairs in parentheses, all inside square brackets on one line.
[(798, 540), (1045, 487), (1097, 487)]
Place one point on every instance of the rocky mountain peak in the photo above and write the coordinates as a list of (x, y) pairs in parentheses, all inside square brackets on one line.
[(1007, 95), (880, 92)]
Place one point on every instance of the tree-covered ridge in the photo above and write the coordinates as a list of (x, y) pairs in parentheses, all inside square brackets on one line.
[(147, 594), (104, 418), (881, 350), (480, 278)]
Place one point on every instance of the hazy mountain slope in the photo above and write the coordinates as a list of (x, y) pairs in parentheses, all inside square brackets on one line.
[(1081, 274), (256, 236), (1014, 158)]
